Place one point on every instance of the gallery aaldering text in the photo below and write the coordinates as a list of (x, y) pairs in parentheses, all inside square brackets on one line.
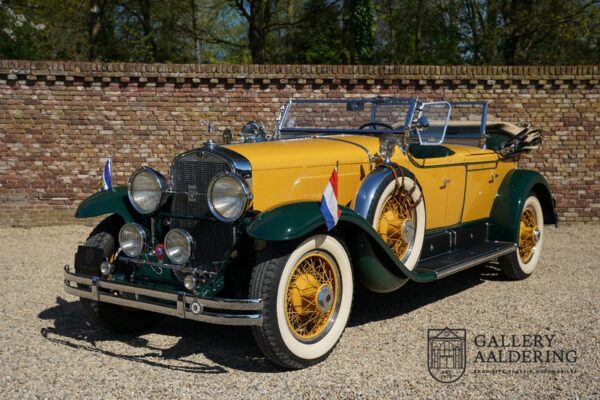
[(527, 348)]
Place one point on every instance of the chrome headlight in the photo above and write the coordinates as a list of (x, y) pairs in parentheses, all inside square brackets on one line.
[(132, 238), (147, 190), (228, 197), (178, 245)]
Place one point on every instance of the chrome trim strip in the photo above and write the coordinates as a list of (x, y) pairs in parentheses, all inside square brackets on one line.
[(369, 155), (182, 308), (475, 261), (283, 116), (240, 163), (229, 304)]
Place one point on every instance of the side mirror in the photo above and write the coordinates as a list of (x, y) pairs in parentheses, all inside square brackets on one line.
[(422, 123), (227, 136), (432, 122)]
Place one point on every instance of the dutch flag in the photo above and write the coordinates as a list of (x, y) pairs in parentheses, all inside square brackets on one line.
[(106, 182), (329, 202)]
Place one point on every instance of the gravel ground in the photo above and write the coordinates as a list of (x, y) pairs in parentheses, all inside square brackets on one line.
[(48, 349)]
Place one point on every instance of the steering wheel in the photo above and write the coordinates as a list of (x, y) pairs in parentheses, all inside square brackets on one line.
[(376, 124)]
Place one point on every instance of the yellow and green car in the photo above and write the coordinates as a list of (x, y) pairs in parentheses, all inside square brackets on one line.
[(237, 234)]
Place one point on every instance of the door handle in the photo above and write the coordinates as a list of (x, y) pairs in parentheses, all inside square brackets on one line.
[(445, 183), (493, 177)]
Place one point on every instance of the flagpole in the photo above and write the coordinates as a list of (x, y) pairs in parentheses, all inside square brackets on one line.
[(112, 186)]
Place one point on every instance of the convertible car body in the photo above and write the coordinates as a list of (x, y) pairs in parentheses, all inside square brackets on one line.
[(237, 233)]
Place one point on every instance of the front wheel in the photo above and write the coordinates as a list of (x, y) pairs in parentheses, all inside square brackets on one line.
[(307, 292)]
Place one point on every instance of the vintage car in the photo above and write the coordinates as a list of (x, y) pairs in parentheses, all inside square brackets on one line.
[(236, 233)]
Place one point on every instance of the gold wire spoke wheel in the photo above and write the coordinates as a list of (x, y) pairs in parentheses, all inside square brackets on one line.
[(397, 223), (312, 296), (528, 234)]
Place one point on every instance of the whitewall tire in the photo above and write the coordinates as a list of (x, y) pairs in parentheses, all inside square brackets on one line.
[(398, 215), (307, 290), (522, 263)]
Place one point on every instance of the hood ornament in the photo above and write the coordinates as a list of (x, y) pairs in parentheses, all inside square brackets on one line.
[(209, 143)]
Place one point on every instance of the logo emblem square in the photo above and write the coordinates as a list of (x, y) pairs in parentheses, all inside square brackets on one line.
[(192, 193)]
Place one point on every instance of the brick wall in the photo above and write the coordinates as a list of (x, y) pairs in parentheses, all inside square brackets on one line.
[(59, 120)]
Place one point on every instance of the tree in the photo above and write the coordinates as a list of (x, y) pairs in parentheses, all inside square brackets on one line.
[(359, 31), (316, 38), (263, 17), (304, 31), (418, 32)]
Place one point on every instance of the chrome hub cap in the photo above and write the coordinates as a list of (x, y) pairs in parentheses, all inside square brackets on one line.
[(397, 223), (313, 296), (408, 231), (529, 234), (325, 298)]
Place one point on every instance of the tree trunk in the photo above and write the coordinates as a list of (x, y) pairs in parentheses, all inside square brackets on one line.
[(147, 26), (349, 54), (197, 42), (256, 42), (94, 29), (515, 48), (418, 34)]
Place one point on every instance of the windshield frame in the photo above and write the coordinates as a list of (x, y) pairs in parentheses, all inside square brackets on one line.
[(375, 102)]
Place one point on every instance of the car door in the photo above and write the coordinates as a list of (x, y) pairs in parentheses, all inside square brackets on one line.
[(442, 181), (484, 174)]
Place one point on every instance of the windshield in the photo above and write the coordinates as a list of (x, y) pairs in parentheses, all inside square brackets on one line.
[(375, 115)]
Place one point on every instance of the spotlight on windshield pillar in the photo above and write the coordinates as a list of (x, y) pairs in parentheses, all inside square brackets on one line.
[(387, 145)]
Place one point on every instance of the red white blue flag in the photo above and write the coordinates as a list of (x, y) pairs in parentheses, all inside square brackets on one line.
[(329, 202)]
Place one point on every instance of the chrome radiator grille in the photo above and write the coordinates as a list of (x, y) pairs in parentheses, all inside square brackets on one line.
[(191, 174)]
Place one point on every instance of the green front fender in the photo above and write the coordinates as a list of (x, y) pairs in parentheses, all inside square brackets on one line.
[(108, 202), (508, 205), (376, 265)]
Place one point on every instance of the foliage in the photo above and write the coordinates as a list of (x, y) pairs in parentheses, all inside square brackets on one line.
[(304, 31)]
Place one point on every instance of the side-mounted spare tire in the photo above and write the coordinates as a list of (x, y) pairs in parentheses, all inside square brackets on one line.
[(397, 213), (111, 316)]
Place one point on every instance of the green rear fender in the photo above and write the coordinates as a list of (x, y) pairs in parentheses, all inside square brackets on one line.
[(376, 266), (508, 206), (108, 202)]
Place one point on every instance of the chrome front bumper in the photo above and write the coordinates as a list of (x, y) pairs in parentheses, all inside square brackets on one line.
[(184, 305)]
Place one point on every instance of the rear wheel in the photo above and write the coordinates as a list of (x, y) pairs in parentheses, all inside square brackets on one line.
[(111, 316), (307, 293), (520, 264)]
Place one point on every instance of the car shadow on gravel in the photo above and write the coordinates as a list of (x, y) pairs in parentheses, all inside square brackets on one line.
[(369, 306), (232, 347)]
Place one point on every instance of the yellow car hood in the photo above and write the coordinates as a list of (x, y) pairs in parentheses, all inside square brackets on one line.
[(308, 152)]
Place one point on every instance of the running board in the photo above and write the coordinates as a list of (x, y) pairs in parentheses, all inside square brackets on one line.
[(459, 260)]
